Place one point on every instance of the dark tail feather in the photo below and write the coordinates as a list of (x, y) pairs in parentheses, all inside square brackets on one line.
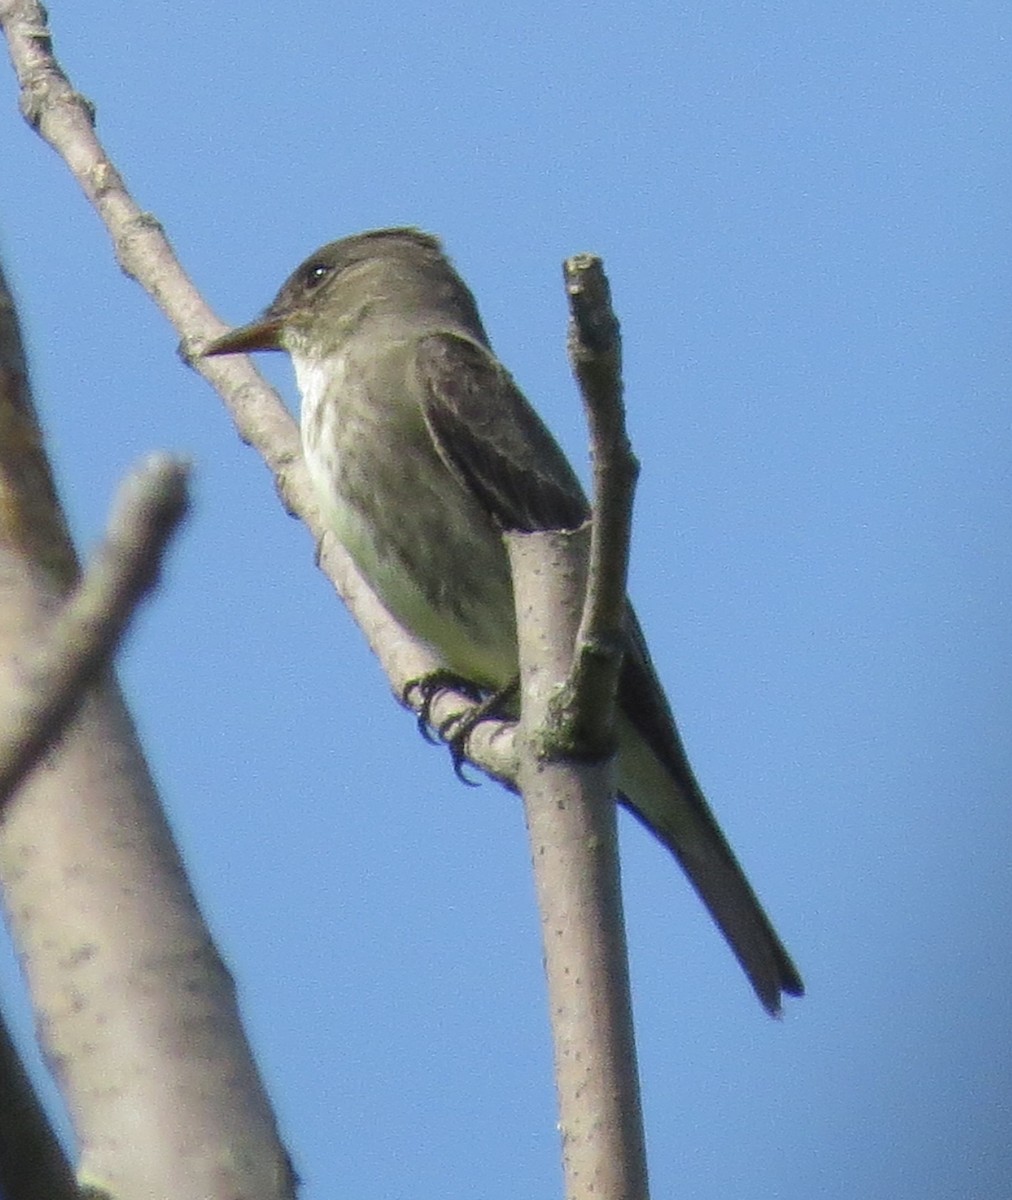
[(722, 886), (675, 811)]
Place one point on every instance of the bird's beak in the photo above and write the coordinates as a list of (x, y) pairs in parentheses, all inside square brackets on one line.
[(264, 334)]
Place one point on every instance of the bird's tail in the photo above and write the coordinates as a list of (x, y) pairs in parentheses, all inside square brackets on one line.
[(667, 799)]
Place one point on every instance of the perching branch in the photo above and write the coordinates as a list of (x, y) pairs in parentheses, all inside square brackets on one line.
[(570, 603), (571, 815), (68, 656)]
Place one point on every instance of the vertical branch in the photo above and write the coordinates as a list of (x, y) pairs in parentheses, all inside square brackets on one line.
[(571, 823), (595, 353), (570, 590), (585, 705)]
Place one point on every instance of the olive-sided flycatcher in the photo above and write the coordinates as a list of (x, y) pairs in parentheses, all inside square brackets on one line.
[(423, 452)]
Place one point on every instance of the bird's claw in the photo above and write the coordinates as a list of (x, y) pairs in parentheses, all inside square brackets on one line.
[(428, 688), (455, 730)]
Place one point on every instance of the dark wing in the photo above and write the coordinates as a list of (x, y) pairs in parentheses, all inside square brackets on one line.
[(492, 440), (642, 697), (497, 446)]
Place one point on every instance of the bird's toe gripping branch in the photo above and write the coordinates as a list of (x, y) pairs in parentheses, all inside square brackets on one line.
[(454, 732)]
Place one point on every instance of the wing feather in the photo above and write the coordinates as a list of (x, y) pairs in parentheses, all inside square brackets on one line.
[(492, 439)]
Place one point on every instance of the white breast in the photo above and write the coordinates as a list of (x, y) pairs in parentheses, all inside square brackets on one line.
[(439, 533)]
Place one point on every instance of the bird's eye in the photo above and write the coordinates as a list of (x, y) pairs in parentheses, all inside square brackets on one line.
[(315, 273)]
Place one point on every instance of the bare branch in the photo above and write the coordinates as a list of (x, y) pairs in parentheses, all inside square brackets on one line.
[(571, 612), (586, 706), (595, 351), (135, 1008), (84, 635), (571, 823)]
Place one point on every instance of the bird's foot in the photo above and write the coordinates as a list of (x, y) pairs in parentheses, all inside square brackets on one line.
[(457, 729), (423, 692)]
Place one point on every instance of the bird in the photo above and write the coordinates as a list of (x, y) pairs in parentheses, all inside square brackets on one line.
[(422, 452)]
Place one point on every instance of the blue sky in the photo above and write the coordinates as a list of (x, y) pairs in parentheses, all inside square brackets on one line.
[(804, 213)]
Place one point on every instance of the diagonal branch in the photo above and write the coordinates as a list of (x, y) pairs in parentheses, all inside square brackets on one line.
[(66, 121), (83, 636)]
